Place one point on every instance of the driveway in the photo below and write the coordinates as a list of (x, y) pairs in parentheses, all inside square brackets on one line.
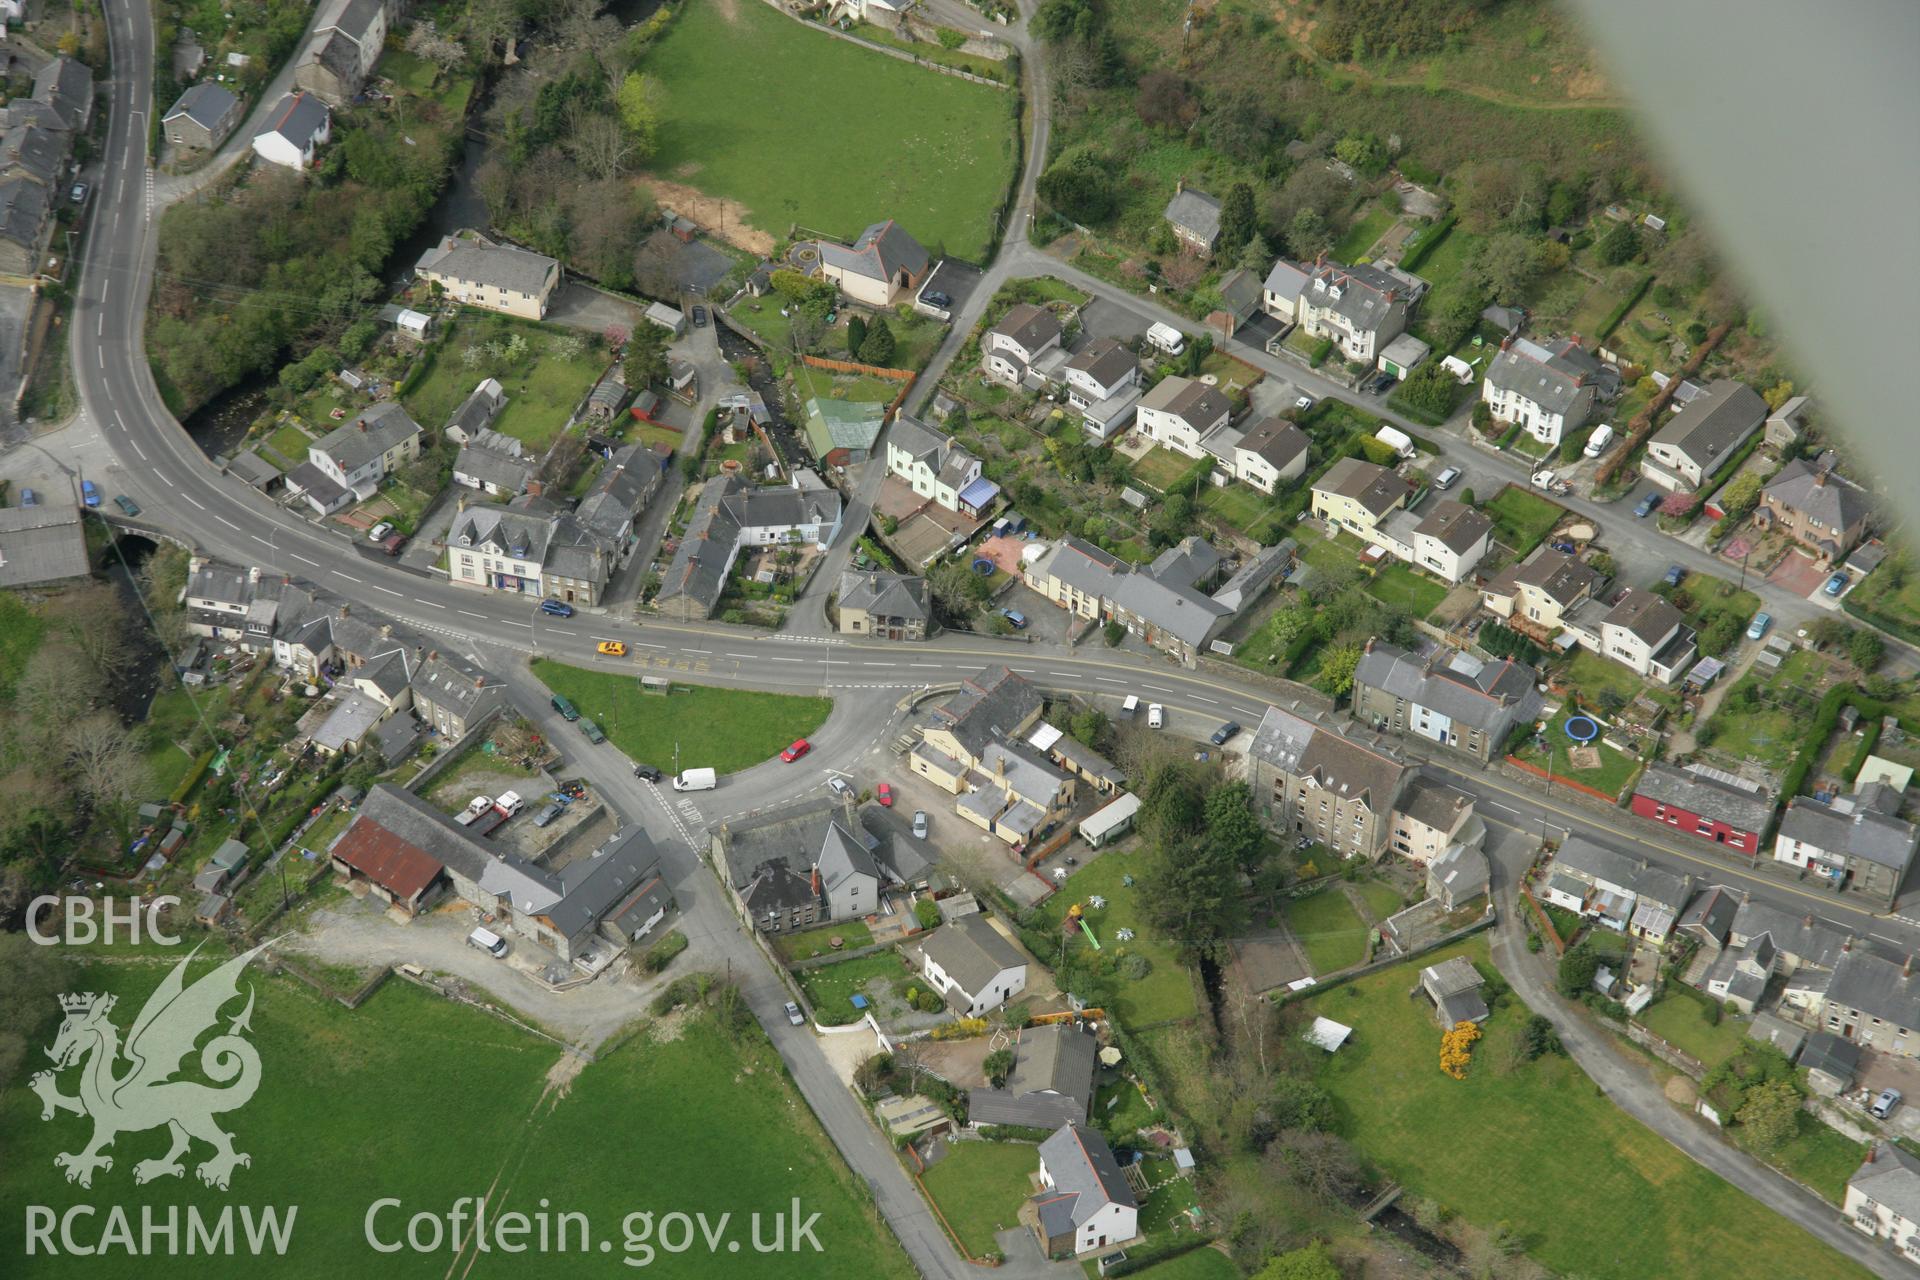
[(581, 306)]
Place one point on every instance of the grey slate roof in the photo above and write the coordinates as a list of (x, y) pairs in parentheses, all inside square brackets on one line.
[(1189, 399), (377, 428), (298, 118), (478, 411), (987, 705), (1373, 486), (1051, 1083), (1367, 294), (1287, 279), (1104, 360), (206, 104), (1030, 326), (1711, 912), (1713, 425), (501, 531), (1590, 862), (1457, 526), (1462, 871), (1811, 941), (1835, 1055), (1550, 374), (972, 952), (1276, 440), (491, 467), (1807, 486), (1298, 748), (1740, 809), (593, 886), (1252, 577), (32, 150), (1877, 987), (1491, 696), (1433, 803), (877, 252), (23, 211), (1849, 828), (618, 495), (1559, 576), (1195, 211), (497, 266), (893, 595), (449, 680), (41, 544), (66, 85), (1086, 1179)]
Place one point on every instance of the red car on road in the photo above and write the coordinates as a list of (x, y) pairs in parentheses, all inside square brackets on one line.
[(884, 794), (800, 747)]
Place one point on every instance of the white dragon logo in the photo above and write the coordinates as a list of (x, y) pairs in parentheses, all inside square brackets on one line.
[(147, 1095)]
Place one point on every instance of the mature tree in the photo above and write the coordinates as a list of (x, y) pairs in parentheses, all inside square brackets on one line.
[(640, 99), (1240, 123), (599, 144), (1321, 1164), (1618, 245), (1238, 221), (606, 222), (856, 334), (877, 347), (1741, 495), (957, 589), (1866, 648), (427, 41), (1504, 267), (1577, 968), (1308, 235), (1310, 1263), (109, 769), (1770, 1114), (1232, 826), (1192, 890), (1163, 100), (1091, 727), (1256, 256), (646, 360), (1336, 667), (1362, 153), (1080, 186)]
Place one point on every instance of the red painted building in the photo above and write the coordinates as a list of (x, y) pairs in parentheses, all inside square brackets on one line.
[(1709, 805)]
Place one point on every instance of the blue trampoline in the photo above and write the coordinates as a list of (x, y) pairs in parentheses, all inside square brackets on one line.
[(984, 567), (1582, 728)]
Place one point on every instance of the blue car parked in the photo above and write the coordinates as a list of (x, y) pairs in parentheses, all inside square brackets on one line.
[(556, 608), (89, 494)]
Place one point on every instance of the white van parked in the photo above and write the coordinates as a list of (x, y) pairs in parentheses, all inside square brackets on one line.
[(1597, 442), (696, 780), (1156, 716), (1167, 338), (1396, 439), (488, 941), (1131, 707)]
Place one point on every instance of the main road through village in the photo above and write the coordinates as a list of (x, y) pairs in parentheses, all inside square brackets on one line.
[(182, 494)]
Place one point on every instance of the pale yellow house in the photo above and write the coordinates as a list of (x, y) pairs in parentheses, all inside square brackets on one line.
[(494, 277), (1357, 495)]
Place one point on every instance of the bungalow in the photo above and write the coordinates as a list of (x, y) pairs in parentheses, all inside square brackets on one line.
[(294, 131), (1705, 803), (932, 463), (1195, 218), (1012, 347), (1546, 387), (1883, 1198), (1648, 636), (495, 277), (1357, 495), (1705, 432), (1462, 703), (202, 117), (1087, 1204), (1051, 1083), (973, 965), (1179, 411), (882, 266), (1819, 509), (1856, 842), (1270, 452)]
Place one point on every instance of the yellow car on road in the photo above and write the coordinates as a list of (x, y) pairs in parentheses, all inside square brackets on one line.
[(613, 648)]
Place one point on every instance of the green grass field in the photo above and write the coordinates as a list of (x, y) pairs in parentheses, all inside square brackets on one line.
[(20, 632), (828, 135), (1166, 993), (1615, 767), (1382, 899), (1332, 932), (1682, 1020), (723, 729), (1372, 223), (1488, 1147), (1246, 509), (290, 442), (831, 987), (818, 942), (1201, 1264), (544, 384), (702, 1122), (980, 1186), (1521, 519), (1161, 468)]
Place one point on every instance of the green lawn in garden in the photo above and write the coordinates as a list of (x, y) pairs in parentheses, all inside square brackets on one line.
[(1367, 228), (20, 632), (1821, 1157), (1166, 993), (290, 442), (980, 1186), (1160, 468), (1591, 675), (1521, 518), (1381, 898), (1245, 508), (544, 383), (818, 942), (827, 135), (761, 316), (1200, 1264), (1683, 1021), (722, 729), (863, 388), (830, 988), (1334, 935), (1397, 584), (1613, 773), (1487, 1147)]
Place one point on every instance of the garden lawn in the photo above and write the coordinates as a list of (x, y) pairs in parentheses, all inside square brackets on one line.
[(20, 632), (290, 442), (722, 729), (1682, 1020), (1245, 508), (827, 385), (1161, 468), (1616, 767), (1591, 675), (1199, 1264), (1121, 1107), (648, 434), (761, 317), (817, 942), (1381, 898), (1332, 932), (1821, 1157), (544, 385), (932, 151), (1373, 223), (1766, 733), (1166, 993), (831, 987), (1486, 1147), (1521, 519), (1397, 584), (979, 1188)]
